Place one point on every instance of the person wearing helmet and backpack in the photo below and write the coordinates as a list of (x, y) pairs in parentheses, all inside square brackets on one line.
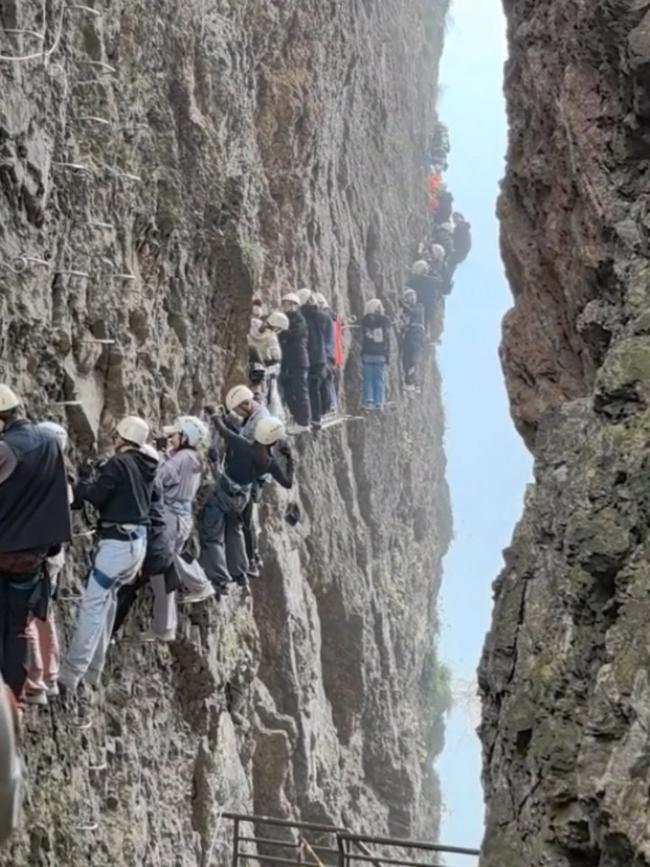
[(179, 476), (295, 364), (411, 337), (245, 413), (42, 682), (318, 327), (34, 523), (158, 560), (223, 550), (120, 492), (375, 353)]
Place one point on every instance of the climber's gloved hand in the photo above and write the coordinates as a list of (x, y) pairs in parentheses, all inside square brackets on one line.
[(86, 470)]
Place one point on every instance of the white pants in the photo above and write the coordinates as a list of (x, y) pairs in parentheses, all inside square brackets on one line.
[(117, 562)]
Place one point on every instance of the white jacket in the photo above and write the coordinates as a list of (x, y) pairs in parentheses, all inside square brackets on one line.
[(265, 342)]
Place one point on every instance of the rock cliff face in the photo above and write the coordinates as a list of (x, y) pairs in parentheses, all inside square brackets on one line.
[(159, 163), (566, 666)]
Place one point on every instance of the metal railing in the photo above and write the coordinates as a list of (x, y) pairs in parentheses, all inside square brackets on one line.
[(310, 844)]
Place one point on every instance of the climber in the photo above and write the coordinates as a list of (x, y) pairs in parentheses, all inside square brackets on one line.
[(179, 475), (375, 353), (295, 364), (445, 207), (328, 385), (462, 239), (411, 337), (34, 523), (246, 413), (318, 325), (444, 237), (265, 355), (43, 671), (263, 343), (158, 560), (428, 284), (10, 766), (223, 551), (120, 490)]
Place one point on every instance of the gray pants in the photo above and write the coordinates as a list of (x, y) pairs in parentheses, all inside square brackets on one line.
[(221, 531), (117, 562)]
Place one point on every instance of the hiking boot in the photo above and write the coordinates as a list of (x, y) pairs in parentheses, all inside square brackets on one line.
[(37, 697), (165, 637), (204, 593), (242, 581), (220, 589), (53, 690), (66, 697), (254, 568)]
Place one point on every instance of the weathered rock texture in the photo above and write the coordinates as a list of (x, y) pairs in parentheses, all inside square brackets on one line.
[(565, 672), (162, 163)]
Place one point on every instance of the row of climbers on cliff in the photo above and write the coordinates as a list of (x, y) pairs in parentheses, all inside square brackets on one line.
[(144, 500), (295, 355)]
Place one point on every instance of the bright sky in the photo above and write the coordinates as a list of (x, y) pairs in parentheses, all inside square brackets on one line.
[(488, 465)]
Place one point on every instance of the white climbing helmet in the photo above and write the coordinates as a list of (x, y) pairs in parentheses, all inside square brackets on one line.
[(269, 430), (420, 267), (133, 429), (237, 395), (321, 300), (304, 295), (438, 252), (55, 430), (195, 431), (291, 298), (278, 320), (8, 399), (373, 306), (410, 296)]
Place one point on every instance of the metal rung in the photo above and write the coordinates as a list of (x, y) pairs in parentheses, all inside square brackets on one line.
[(273, 859), (379, 859), (397, 842)]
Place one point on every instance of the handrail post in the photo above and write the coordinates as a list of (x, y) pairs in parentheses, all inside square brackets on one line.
[(235, 842), (342, 859)]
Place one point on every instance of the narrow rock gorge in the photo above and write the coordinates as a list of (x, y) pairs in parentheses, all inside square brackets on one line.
[(565, 675), (159, 164)]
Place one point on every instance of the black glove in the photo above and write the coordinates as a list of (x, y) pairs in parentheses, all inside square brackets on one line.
[(210, 410), (86, 470)]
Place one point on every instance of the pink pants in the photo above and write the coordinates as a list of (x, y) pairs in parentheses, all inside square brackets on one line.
[(44, 654)]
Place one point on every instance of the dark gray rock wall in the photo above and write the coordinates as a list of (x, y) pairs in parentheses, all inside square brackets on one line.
[(160, 164), (564, 674)]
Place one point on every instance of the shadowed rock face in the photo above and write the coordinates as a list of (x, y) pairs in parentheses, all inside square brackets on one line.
[(166, 162), (564, 674)]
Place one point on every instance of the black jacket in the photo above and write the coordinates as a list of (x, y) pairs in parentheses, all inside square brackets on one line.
[(294, 343), (122, 492), (246, 462), (426, 287), (34, 510), (375, 328), (318, 324), (412, 330), (462, 241)]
